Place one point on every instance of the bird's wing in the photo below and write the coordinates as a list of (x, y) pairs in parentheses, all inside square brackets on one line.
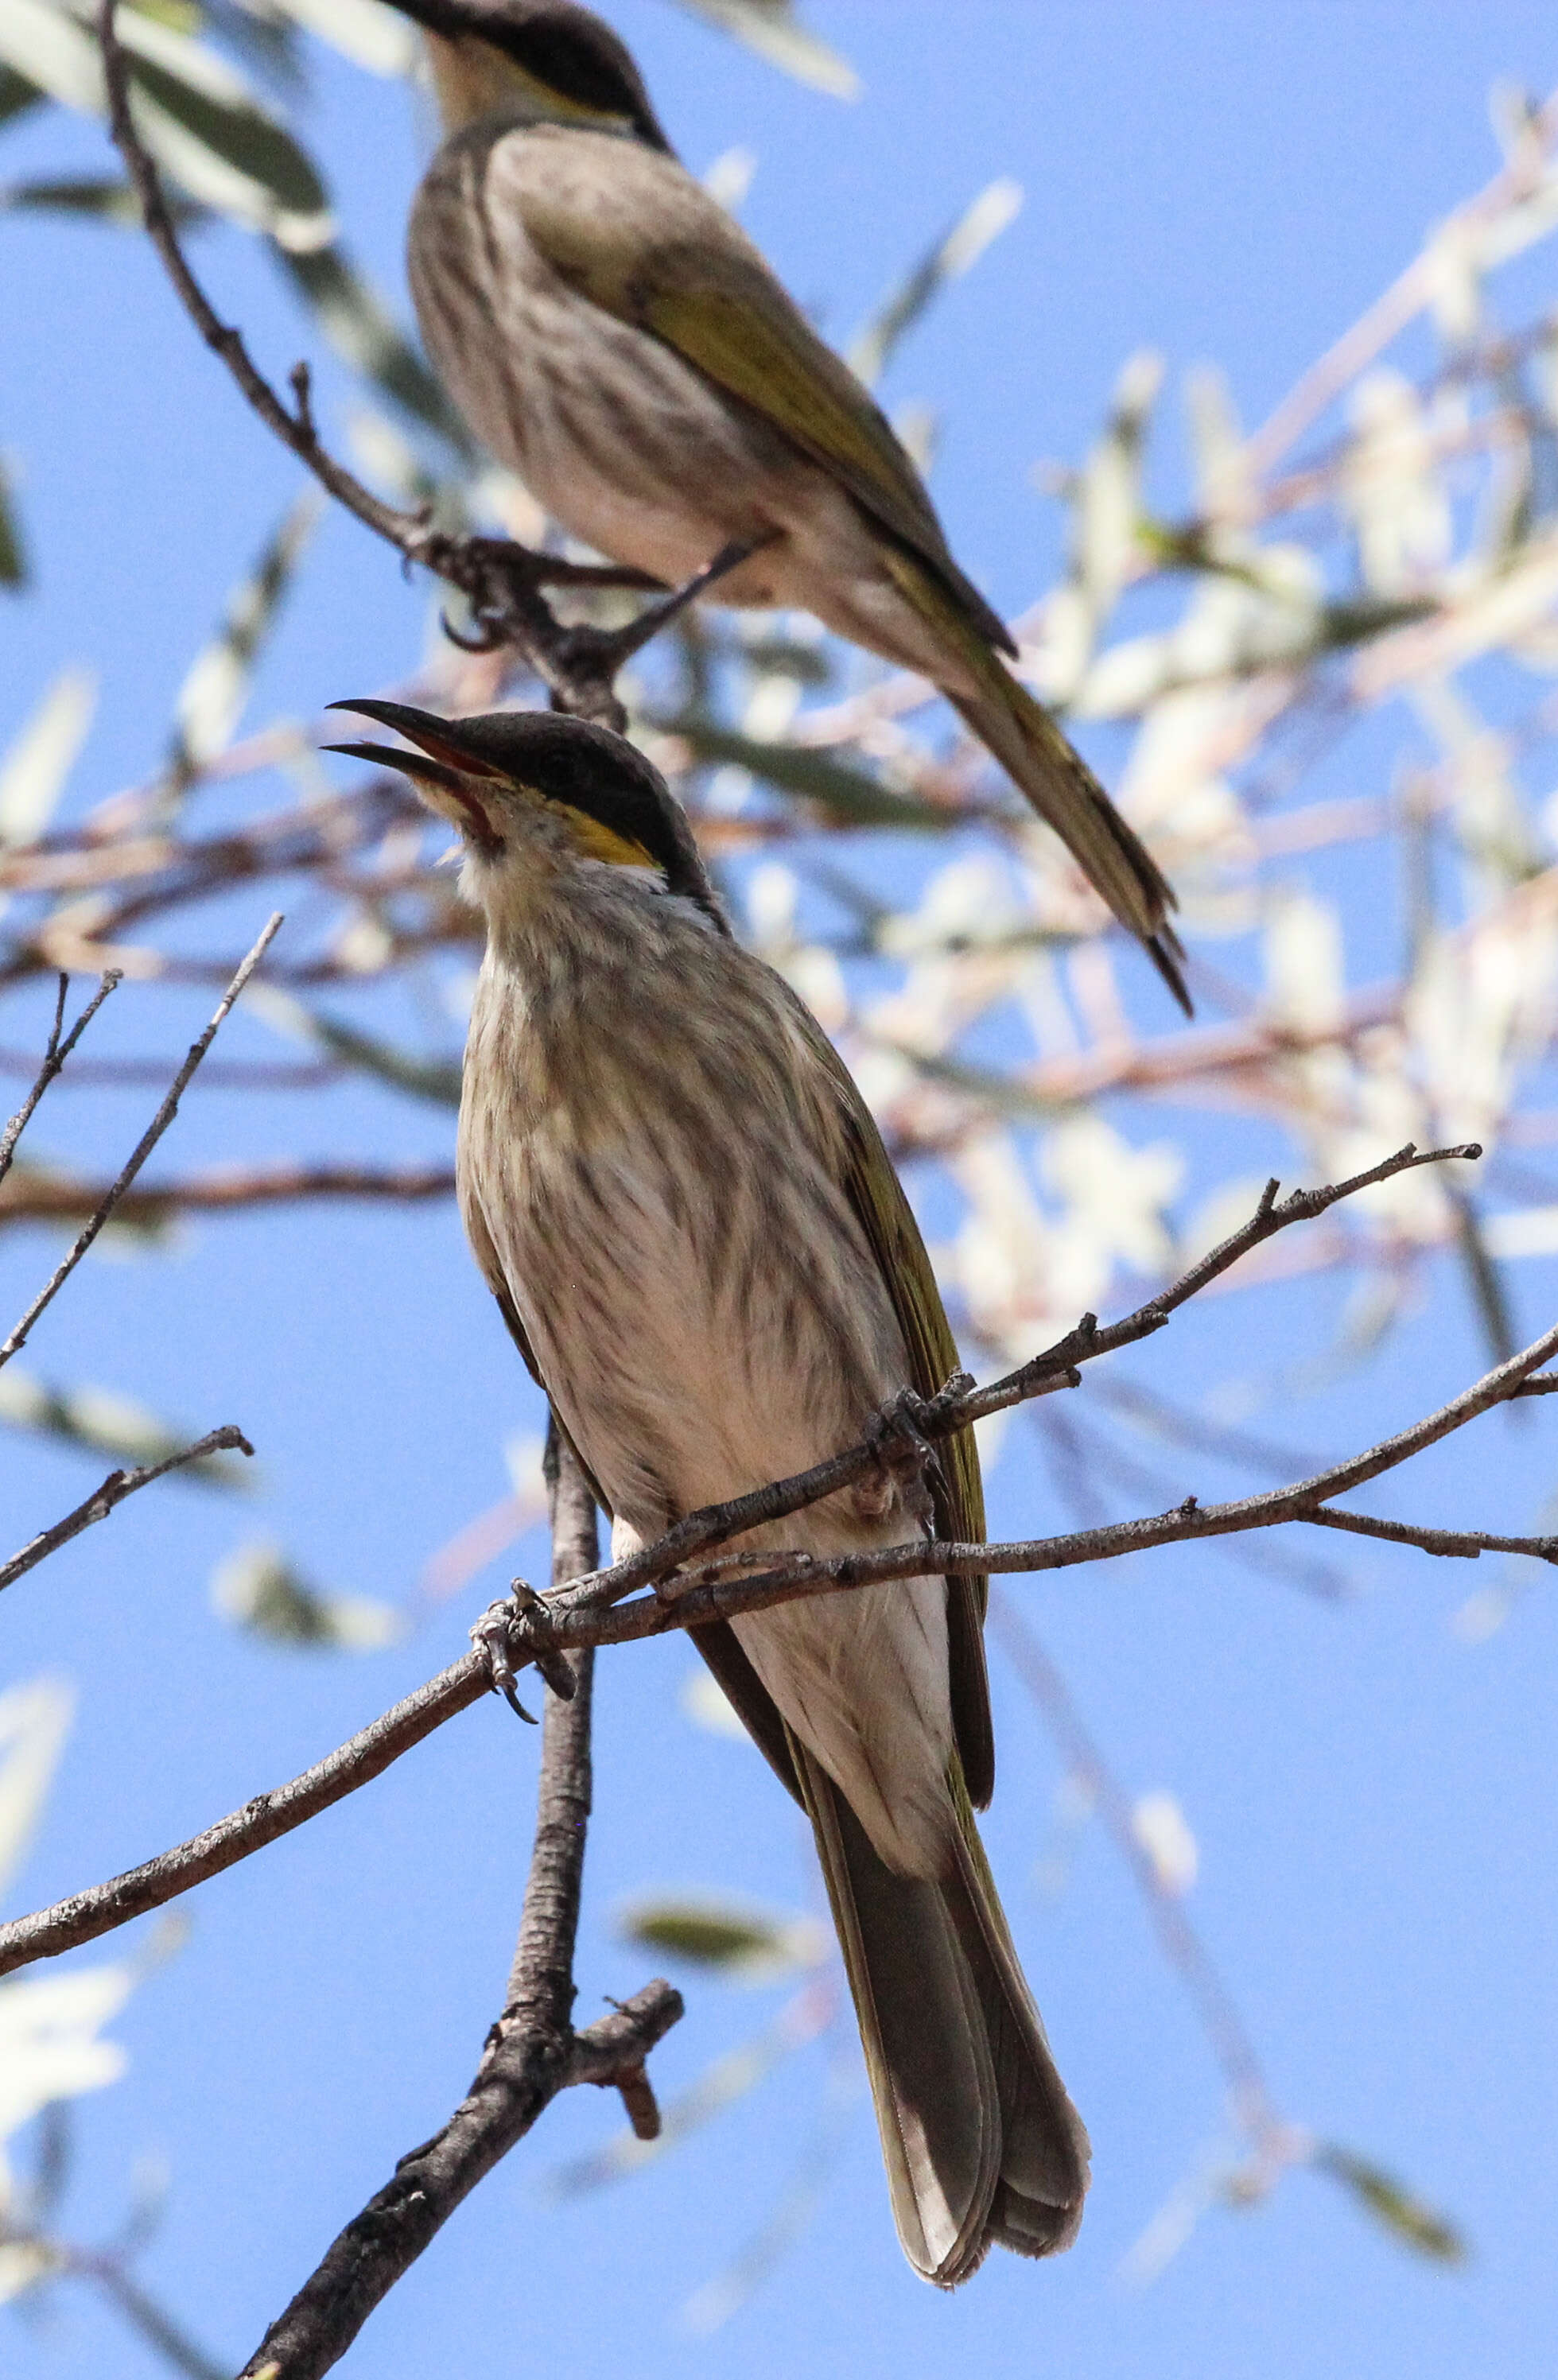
[(641, 239), (957, 1492)]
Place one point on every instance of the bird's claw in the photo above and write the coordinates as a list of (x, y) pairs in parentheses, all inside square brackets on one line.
[(519, 1623), (906, 1455)]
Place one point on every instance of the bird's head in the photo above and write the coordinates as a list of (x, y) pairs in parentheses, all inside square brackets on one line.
[(554, 61), (538, 797)]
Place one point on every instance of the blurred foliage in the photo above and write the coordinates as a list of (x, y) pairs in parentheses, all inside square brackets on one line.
[(744, 1944), (1402, 2212), (260, 1590)]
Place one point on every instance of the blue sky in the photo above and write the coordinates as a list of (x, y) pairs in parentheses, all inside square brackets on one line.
[(1371, 1795)]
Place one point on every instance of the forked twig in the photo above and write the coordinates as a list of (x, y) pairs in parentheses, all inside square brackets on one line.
[(229, 1440), (143, 1147), (594, 1611), (55, 1056)]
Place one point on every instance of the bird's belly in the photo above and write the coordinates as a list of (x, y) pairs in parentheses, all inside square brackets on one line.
[(692, 1357), (627, 446)]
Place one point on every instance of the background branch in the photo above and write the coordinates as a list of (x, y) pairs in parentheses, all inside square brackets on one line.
[(143, 1147), (502, 579), (532, 2052), (55, 1057), (229, 1440)]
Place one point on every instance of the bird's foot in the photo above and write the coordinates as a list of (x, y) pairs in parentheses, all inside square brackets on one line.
[(502, 582), (513, 1634), (905, 1458)]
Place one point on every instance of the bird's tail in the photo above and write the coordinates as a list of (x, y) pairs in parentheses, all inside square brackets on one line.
[(1038, 757), (1040, 760), (981, 2141)]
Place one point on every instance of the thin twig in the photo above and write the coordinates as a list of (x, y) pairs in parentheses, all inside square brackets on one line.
[(229, 1440), (143, 1147), (141, 2309), (532, 2052), (55, 1057), (260, 1821)]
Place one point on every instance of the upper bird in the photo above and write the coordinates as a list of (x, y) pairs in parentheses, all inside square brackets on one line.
[(695, 1234), (612, 335)]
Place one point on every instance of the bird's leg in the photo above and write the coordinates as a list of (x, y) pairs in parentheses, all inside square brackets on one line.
[(519, 1623), (590, 658), (905, 1458), (502, 582)]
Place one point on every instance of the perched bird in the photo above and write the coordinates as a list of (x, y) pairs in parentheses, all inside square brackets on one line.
[(695, 1235), (612, 335)]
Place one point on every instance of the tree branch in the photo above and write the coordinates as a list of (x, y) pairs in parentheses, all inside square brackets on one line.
[(593, 1610), (224, 1190), (532, 2052), (501, 581), (229, 1440), (55, 1056), (143, 1147)]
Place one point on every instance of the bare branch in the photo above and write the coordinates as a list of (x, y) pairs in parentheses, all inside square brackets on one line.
[(55, 1057), (502, 581), (960, 1403), (143, 1147), (224, 1190), (590, 1611), (260, 1821), (532, 2052), (229, 1440)]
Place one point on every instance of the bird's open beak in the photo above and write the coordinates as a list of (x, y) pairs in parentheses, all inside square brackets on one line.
[(441, 768)]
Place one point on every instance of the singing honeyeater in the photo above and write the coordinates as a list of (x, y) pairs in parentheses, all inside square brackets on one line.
[(614, 336), (696, 1236)]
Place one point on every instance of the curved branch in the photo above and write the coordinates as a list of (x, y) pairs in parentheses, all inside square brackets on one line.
[(501, 581), (532, 2053)]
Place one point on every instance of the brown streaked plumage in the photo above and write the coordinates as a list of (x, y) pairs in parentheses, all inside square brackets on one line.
[(696, 1237), (614, 336)]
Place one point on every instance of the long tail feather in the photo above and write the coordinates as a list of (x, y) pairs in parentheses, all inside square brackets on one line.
[(981, 2141)]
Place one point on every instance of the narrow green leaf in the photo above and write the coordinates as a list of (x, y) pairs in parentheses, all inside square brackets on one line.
[(772, 29), (13, 558), (1417, 2226), (194, 112), (101, 1422), (212, 698), (16, 93), (1487, 1291), (259, 1590), (34, 769), (359, 327), (950, 255), (93, 198), (847, 794), (437, 1080), (742, 1943)]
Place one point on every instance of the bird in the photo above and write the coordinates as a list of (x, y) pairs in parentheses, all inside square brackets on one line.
[(609, 333), (697, 1239)]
